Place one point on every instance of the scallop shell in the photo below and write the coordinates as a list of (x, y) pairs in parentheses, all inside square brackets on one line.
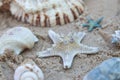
[(28, 71), (17, 39), (111, 39), (47, 12), (107, 70)]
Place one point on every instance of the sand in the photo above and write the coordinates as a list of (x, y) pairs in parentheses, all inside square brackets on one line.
[(52, 67)]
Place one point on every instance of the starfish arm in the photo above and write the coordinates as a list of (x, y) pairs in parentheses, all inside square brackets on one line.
[(78, 37), (85, 25), (47, 53), (99, 20), (67, 60), (87, 50), (54, 36), (98, 25), (90, 28)]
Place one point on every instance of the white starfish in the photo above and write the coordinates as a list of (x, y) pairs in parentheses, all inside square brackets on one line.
[(67, 47)]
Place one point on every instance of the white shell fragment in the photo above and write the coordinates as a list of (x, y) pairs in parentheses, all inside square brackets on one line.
[(17, 39), (28, 71), (47, 12)]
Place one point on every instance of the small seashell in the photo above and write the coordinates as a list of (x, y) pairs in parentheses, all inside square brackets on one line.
[(111, 39), (107, 70), (47, 12), (28, 71), (107, 37), (17, 39), (116, 38)]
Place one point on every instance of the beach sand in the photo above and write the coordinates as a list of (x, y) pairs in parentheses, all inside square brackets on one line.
[(52, 67)]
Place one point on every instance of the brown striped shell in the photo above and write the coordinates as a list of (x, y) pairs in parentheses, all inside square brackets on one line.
[(47, 12)]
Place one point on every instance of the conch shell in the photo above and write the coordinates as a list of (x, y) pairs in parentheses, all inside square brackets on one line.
[(47, 12), (17, 39), (111, 39), (28, 70)]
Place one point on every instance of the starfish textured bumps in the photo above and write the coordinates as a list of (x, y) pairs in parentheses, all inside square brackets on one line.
[(91, 24), (67, 47)]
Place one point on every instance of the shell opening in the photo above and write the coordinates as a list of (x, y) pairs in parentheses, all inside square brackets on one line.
[(29, 76)]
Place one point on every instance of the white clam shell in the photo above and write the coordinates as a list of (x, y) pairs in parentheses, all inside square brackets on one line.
[(47, 12), (17, 39), (28, 71)]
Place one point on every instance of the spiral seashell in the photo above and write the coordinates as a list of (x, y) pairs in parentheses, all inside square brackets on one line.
[(111, 39), (116, 38), (17, 39), (28, 71), (47, 12)]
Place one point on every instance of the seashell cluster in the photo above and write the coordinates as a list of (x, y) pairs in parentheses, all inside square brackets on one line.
[(111, 39), (17, 39), (28, 70), (47, 12), (107, 70)]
